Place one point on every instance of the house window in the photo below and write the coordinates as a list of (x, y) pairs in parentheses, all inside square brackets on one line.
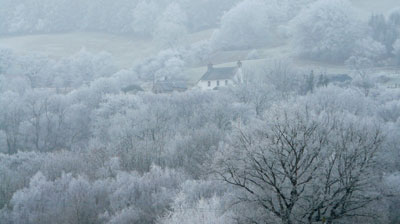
[(226, 82), (209, 83), (217, 83)]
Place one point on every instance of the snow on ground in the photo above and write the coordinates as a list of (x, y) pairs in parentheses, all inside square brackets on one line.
[(125, 49)]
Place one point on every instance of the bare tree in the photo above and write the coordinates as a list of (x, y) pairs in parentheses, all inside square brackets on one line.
[(301, 167)]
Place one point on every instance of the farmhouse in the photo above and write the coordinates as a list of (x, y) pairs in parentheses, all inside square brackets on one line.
[(217, 77)]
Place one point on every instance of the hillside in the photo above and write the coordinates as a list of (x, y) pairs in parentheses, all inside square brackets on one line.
[(127, 49)]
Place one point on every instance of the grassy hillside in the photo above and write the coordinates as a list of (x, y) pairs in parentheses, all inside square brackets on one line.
[(127, 49)]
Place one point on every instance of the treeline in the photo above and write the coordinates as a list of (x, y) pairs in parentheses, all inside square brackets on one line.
[(121, 16), (97, 155)]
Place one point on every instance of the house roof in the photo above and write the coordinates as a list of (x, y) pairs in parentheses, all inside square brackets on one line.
[(170, 86), (132, 88), (220, 73), (388, 80), (339, 78)]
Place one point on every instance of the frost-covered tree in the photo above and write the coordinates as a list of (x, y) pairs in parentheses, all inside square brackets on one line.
[(327, 30), (367, 53), (292, 8), (35, 67), (167, 63), (205, 14), (6, 60), (63, 201), (145, 16), (392, 183), (283, 76), (381, 30), (16, 171), (205, 211), (37, 126), (193, 150), (385, 30), (83, 67), (298, 166), (171, 27), (244, 26), (396, 51), (141, 198), (13, 113)]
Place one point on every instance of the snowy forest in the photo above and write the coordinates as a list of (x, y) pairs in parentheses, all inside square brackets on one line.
[(199, 111)]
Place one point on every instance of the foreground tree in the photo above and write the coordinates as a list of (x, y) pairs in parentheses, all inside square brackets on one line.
[(303, 167)]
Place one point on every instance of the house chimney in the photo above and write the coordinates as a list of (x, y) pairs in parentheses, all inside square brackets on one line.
[(239, 64), (210, 66)]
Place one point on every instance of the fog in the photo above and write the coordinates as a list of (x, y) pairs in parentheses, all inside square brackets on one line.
[(182, 111)]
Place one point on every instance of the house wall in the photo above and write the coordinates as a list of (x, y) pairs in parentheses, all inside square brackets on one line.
[(204, 84)]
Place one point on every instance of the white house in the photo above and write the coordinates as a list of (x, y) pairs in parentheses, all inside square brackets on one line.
[(217, 77)]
